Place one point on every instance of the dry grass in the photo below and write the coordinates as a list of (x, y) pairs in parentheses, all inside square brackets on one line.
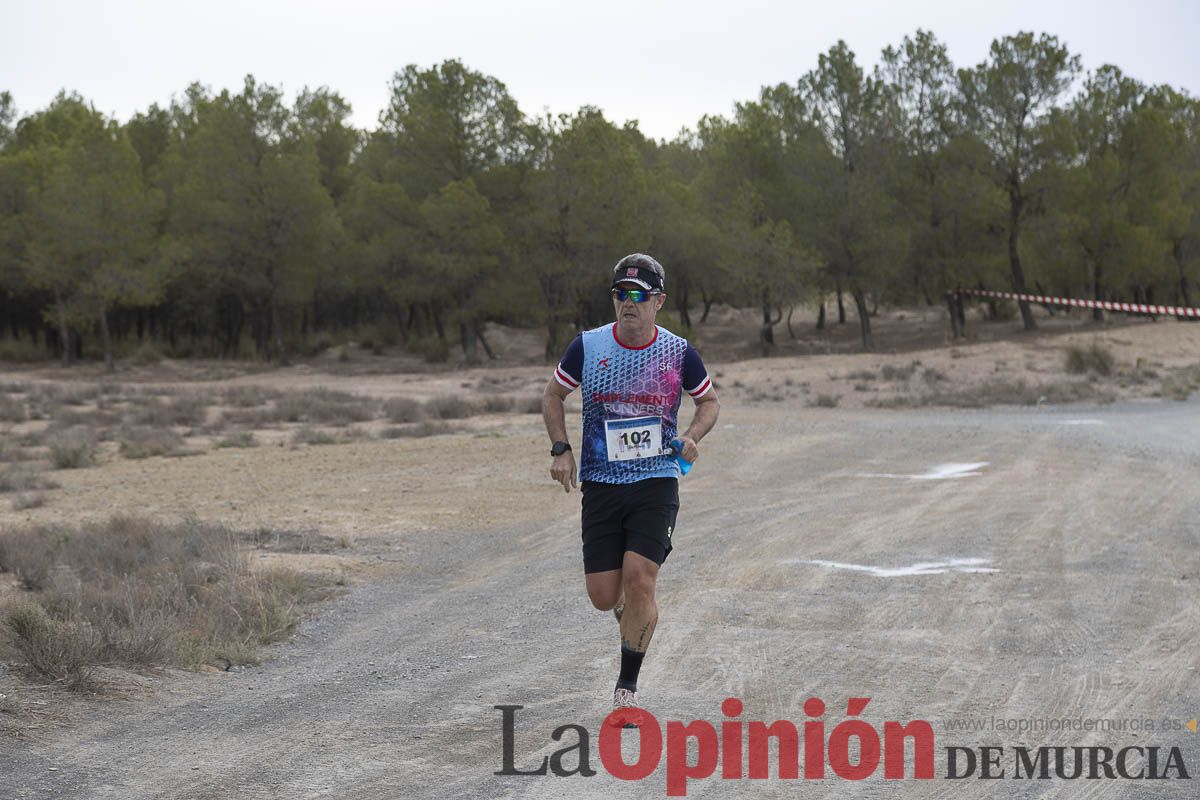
[(26, 500), (12, 409), (143, 442), (135, 594), (403, 409), (498, 404), (72, 448), (242, 439), (1094, 358), (324, 406), (248, 396), (417, 431), (899, 373), (182, 411), (996, 392), (826, 400), (449, 406), (24, 480), (307, 435)]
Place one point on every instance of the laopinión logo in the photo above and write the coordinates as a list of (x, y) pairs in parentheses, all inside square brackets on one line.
[(806, 751)]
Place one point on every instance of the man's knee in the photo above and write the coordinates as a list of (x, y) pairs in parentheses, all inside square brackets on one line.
[(604, 588), (604, 599), (639, 584)]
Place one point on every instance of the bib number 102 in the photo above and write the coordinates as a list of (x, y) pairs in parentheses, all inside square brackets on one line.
[(636, 440)]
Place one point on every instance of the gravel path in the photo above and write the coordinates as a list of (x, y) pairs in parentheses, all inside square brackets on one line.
[(1088, 518)]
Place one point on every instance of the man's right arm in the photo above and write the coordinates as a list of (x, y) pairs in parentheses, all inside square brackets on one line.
[(554, 414)]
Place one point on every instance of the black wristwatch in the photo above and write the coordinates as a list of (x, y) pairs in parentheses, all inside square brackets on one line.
[(559, 448)]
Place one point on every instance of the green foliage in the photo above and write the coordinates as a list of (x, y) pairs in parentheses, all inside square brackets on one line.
[(238, 224)]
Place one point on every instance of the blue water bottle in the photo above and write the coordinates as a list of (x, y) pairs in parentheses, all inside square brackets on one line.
[(675, 450)]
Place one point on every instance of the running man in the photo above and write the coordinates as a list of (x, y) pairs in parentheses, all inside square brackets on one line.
[(632, 374)]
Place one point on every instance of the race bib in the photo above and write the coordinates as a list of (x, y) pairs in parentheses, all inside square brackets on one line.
[(637, 437)]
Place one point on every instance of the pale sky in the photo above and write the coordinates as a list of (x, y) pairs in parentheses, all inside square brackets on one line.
[(665, 64)]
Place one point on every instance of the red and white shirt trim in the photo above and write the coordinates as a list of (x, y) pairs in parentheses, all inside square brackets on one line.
[(702, 389), (564, 379)]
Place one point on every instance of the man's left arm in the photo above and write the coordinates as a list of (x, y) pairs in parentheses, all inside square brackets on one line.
[(703, 420)]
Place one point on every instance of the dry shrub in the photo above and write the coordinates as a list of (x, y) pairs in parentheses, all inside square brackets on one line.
[(24, 480), (403, 409), (497, 404), (146, 354), (248, 396), (1094, 358), (307, 435), (12, 451), (78, 395), (449, 406), (433, 349), (324, 406), (26, 500), (143, 442), (417, 431), (1176, 389), (243, 439), (182, 411), (72, 448), (529, 405), (861, 375), (12, 409), (57, 650), (827, 400), (933, 376), (134, 593), (999, 391), (893, 373)]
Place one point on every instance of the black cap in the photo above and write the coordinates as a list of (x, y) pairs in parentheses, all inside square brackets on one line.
[(641, 269)]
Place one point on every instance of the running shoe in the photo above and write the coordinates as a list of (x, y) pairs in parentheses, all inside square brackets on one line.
[(626, 710)]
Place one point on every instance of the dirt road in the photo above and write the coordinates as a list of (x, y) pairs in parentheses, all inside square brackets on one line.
[(1060, 578)]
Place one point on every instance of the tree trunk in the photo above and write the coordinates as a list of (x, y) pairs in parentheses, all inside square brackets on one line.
[(681, 304), (708, 304), (768, 328), (1185, 288), (1097, 291), (767, 335), (483, 341), (435, 313), (280, 351), (956, 328), (64, 333), (821, 314), (1014, 257), (791, 333), (468, 340), (841, 305), (860, 302), (107, 339)]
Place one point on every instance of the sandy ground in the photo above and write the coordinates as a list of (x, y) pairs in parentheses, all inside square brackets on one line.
[(792, 577)]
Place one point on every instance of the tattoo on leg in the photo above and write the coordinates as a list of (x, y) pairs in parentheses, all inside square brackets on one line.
[(643, 639)]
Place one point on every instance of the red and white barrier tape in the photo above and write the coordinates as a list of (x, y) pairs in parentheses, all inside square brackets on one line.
[(1128, 308)]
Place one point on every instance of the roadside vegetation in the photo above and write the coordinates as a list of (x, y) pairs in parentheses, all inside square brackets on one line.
[(85, 607)]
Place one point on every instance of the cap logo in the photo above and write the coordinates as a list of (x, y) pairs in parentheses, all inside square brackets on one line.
[(631, 272)]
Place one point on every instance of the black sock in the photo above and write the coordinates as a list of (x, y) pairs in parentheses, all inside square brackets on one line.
[(631, 665)]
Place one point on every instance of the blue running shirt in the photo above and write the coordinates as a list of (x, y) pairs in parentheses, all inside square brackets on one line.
[(621, 383)]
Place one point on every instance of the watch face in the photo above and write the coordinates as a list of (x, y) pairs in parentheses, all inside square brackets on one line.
[(559, 448)]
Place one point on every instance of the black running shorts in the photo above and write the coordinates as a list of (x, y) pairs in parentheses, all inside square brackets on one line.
[(628, 516)]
